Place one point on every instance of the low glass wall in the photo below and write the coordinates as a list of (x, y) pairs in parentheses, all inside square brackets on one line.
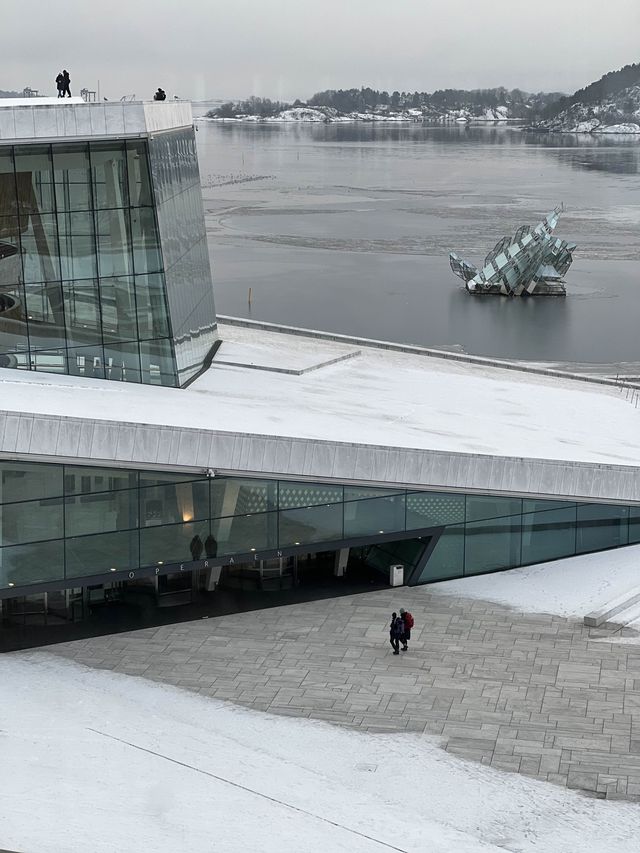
[(61, 522)]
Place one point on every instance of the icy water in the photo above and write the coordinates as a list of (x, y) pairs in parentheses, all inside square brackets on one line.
[(347, 228)]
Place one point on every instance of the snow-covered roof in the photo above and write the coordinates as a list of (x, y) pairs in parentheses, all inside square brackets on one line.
[(287, 404)]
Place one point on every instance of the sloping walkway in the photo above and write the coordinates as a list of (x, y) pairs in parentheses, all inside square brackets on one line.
[(535, 694)]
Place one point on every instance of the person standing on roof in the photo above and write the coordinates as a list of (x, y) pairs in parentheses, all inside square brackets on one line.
[(60, 85), (407, 620), (66, 82)]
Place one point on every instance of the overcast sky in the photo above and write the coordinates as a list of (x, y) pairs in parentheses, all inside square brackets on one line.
[(291, 48)]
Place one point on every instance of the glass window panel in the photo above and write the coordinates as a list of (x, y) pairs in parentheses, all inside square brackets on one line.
[(244, 533), (118, 307), (479, 507), (374, 516), (49, 361), (447, 558), (109, 172), (292, 494), (122, 362), (31, 522), (86, 361), (13, 326), (356, 493), (140, 194), (310, 524), (92, 555), (145, 241), (100, 512), (45, 315), (77, 244), (548, 535), (114, 243), (34, 178), (434, 509), (176, 502), (24, 481), (72, 176), (544, 506), (237, 496), (79, 480), (601, 526), (153, 316), (170, 543), (492, 544), (634, 524), (8, 192), (158, 363), (158, 478), (40, 247), (83, 320), (33, 563)]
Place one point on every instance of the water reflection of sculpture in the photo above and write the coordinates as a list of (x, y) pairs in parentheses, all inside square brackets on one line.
[(531, 263)]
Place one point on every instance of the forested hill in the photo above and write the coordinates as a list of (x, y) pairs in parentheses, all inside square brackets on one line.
[(520, 104), (604, 89)]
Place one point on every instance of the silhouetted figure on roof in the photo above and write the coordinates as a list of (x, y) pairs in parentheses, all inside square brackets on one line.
[(66, 81), (60, 85), (160, 95)]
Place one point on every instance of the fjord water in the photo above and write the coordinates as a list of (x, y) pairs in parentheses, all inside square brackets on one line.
[(347, 228)]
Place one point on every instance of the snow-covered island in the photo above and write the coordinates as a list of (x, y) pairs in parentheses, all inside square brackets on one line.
[(329, 115), (483, 106)]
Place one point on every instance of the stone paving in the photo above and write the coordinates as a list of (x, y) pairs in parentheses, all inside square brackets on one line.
[(528, 693)]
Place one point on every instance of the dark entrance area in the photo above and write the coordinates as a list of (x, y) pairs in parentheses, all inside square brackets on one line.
[(53, 617)]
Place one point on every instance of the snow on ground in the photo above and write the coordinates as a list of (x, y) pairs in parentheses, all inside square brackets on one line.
[(571, 587), (381, 397), (96, 761)]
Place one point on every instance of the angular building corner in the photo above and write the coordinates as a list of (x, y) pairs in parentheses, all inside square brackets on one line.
[(104, 268)]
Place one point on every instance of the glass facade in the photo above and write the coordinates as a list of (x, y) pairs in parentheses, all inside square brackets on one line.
[(62, 522), (84, 276), (176, 182)]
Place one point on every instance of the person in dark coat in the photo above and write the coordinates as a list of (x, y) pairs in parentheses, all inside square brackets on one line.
[(66, 82), (396, 632), (407, 620), (160, 95), (60, 85)]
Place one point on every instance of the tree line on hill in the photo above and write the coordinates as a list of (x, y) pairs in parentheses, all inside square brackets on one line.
[(363, 100), (606, 88)]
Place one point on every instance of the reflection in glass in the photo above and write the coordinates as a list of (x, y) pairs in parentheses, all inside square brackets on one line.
[(157, 363), (374, 516), (548, 535), (77, 244), (109, 171), (447, 558), (91, 555), (33, 563), (479, 507), (601, 527), (72, 176), (118, 307), (433, 509), (492, 544), (310, 524)]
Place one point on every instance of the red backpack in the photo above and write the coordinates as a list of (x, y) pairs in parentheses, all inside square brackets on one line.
[(408, 619)]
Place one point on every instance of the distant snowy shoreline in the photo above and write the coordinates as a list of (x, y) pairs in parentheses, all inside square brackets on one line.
[(328, 115)]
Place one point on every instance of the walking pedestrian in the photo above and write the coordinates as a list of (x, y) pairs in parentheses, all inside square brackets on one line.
[(66, 82), (396, 631), (60, 84), (407, 620)]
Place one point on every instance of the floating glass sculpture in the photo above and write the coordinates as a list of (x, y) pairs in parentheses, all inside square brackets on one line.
[(531, 263)]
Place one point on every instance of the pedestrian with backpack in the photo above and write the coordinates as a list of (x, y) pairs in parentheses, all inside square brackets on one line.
[(396, 632), (407, 620)]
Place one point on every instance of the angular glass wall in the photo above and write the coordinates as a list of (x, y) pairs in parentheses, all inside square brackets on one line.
[(81, 277), (62, 523), (176, 183)]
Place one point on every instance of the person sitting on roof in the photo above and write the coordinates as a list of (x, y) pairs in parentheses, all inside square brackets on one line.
[(160, 95)]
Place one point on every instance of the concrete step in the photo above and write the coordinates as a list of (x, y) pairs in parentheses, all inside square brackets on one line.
[(622, 602), (624, 617)]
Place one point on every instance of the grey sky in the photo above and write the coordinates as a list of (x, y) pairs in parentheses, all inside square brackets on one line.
[(292, 48)]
